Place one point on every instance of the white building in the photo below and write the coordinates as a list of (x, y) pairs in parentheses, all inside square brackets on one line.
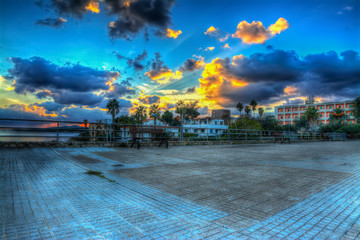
[(206, 127)]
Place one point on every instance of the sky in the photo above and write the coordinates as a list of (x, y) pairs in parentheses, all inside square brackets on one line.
[(64, 59)]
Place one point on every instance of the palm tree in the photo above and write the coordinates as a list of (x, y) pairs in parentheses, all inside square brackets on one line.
[(311, 115), (141, 114), (247, 110), (240, 107), (261, 112), (154, 112), (113, 108), (253, 105), (338, 116)]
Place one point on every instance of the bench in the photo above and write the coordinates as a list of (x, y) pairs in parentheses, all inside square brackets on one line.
[(281, 137), (155, 134)]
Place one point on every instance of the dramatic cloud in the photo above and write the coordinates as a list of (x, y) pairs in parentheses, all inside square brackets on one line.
[(136, 63), (119, 90), (256, 32), (173, 33), (37, 73), (76, 7), (135, 16), (149, 99), (160, 73), (51, 22), (192, 65), (50, 106), (73, 84), (280, 74)]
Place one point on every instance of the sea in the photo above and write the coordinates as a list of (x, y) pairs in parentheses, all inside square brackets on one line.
[(33, 136)]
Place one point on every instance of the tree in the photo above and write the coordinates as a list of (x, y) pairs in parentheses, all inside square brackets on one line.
[(268, 122), (356, 109), (311, 115), (186, 111), (253, 105), (167, 117), (261, 112), (247, 110), (125, 119), (154, 112), (113, 108), (240, 107), (140, 114), (301, 123)]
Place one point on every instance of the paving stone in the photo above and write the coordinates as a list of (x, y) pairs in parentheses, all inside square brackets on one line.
[(214, 192)]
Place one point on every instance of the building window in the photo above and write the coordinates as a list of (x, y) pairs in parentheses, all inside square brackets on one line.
[(215, 122), (186, 130), (221, 123), (216, 130), (320, 107), (202, 130), (295, 116), (211, 131), (350, 106), (195, 130)]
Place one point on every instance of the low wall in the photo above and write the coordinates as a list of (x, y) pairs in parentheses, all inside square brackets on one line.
[(122, 144)]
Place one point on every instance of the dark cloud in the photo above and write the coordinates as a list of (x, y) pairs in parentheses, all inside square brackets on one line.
[(157, 64), (135, 62), (275, 66), (266, 75), (71, 7), (124, 104), (191, 65), (127, 82), (73, 84), (50, 106), (51, 22), (149, 99), (119, 90), (37, 73), (190, 90), (77, 98), (137, 16)]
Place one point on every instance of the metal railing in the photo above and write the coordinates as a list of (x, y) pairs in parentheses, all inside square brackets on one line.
[(30, 130)]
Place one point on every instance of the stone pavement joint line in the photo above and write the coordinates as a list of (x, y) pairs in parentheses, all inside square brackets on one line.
[(47, 195)]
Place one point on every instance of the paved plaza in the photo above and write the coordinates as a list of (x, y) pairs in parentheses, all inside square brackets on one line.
[(249, 191)]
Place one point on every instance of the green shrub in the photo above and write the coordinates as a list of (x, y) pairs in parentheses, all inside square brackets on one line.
[(191, 135), (350, 129), (245, 123)]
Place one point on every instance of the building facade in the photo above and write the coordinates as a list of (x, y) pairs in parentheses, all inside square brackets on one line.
[(206, 127), (289, 113)]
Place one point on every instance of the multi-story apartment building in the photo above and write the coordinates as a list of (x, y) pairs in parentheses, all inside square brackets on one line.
[(289, 113)]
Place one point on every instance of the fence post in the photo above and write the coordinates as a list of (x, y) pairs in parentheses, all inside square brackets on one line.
[(260, 135), (57, 131), (246, 135)]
